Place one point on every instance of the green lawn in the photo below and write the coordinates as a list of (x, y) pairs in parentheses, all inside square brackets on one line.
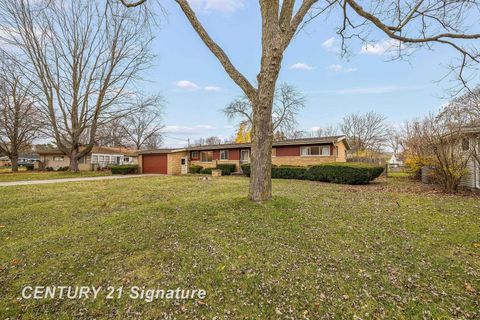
[(318, 251), (36, 175)]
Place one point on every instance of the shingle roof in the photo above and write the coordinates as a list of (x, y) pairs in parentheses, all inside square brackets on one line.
[(303, 141)]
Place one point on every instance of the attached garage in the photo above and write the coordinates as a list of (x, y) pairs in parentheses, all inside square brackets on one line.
[(164, 161), (155, 163)]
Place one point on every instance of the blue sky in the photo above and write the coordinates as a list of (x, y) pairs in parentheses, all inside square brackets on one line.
[(196, 87)]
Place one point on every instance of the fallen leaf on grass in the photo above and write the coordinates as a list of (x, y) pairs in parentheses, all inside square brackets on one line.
[(469, 288), (16, 262), (476, 245)]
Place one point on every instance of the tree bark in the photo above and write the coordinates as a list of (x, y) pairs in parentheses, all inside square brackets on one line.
[(73, 161), (14, 160), (261, 156)]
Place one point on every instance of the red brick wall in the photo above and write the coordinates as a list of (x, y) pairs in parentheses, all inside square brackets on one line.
[(234, 154), (288, 151)]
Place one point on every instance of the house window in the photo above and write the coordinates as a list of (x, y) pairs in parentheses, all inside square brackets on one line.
[(126, 159), (315, 151), (465, 144), (206, 156), (94, 159), (325, 150), (245, 156), (58, 158), (194, 154), (223, 154)]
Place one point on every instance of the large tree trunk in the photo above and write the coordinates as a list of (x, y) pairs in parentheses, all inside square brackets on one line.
[(261, 156), (73, 161), (14, 160), (262, 139)]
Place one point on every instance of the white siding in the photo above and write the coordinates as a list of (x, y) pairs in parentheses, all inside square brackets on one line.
[(470, 179)]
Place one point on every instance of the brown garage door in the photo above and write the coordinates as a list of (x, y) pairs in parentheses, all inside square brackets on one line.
[(155, 163)]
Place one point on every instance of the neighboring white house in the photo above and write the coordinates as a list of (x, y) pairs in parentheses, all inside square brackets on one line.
[(470, 143), (99, 157), (394, 161)]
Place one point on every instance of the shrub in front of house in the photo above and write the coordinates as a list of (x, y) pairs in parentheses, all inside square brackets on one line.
[(344, 173), (63, 168), (227, 169), (288, 172), (195, 169), (29, 166), (124, 169), (206, 170), (246, 169)]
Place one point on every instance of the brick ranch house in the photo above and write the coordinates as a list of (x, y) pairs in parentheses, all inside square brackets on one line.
[(297, 152), (99, 157)]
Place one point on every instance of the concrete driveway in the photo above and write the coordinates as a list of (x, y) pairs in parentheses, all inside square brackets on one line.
[(34, 182)]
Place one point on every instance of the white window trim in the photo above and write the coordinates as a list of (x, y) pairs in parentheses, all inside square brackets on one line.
[(316, 155), (201, 160), (249, 155), (224, 152)]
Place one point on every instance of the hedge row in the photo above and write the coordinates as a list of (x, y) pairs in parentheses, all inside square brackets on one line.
[(227, 169), (124, 169), (195, 169), (344, 173)]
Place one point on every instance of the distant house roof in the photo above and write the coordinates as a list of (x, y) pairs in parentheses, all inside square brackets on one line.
[(95, 149), (289, 142), (471, 129)]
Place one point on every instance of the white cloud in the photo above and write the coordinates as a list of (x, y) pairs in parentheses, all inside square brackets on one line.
[(381, 47), (187, 85), (192, 86), (212, 88), (331, 44), (369, 90), (188, 130), (340, 69), (301, 66), (225, 6)]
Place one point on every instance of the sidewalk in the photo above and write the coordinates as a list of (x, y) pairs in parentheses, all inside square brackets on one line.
[(34, 182)]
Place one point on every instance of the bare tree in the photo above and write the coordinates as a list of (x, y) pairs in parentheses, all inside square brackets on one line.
[(213, 140), (144, 125), (365, 132), (329, 131), (442, 143), (419, 23), (154, 141), (394, 140), (286, 106), (19, 116), (112, 134), (83, 56)]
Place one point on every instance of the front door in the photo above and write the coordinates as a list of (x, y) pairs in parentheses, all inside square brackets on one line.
[(184, 164), (245, 156)]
